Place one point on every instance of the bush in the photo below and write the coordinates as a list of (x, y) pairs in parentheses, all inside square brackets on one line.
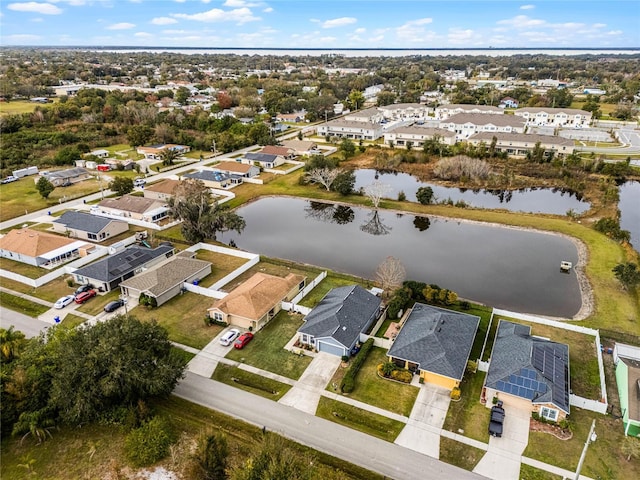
[(149, 443), (402, 375), (472, 366), (345, 358), (455, 393), (349, 380)]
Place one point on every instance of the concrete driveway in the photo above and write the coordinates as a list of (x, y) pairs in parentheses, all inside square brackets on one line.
[(305, 395), (206, 361), (422, 432), (503, 457)]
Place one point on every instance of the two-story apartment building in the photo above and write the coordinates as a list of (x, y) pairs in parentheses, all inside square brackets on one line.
[(556, 117), (466, 124)]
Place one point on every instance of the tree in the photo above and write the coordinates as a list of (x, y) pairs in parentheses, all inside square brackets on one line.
[(356, 99), (274, 460), (376, 191), (344, 182), (201, 217), (182, 95), (11, 342), (121, 185), (139, 135), (211, 457), (44, 187), (424, 195), (390, 273), (628, 274), (348, 148), (385, 97), (168, 156), (324, 176)]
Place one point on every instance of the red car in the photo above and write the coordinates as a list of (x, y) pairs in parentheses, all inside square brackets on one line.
[(243, 340), (84, 296)]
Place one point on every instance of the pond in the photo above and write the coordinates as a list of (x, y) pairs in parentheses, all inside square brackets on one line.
[(498, 266), (629, 205), (534, 200)]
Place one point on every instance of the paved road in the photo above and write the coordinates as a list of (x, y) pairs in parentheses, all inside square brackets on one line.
[(386, 458), (31, 327)]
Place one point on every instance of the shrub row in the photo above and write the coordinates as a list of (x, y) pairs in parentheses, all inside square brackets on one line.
[(390, 370), (349, 380)]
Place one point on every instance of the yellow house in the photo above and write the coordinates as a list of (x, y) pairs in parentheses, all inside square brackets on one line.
[(256, 301), (436, 343)]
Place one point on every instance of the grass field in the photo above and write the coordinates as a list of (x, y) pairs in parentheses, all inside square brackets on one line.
[(359, 419), (266, 350), (250, 382), (370, 388), (532, 473), (72, 321), (97, 451), (459, 454), (29, 271), (331, 281), (221, 265), (21, 106), (468, 414), (19, 304), (183, 317), (95, 305)]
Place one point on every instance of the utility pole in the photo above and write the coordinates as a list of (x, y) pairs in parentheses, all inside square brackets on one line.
[(590, 439)]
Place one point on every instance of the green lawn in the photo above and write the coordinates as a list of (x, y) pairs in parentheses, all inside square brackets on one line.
[(468, 416), (29, 271), (370, 388), (359, 419), (459, 454), (384, 327), (604, 458), (186, 356), (97, 451), (532, 473), (22, 106), (50, 292), (95, 305), (221, 265), (266, 350), (72, 321), (183, 317), (21, 305), (251, 382), (331, 281)]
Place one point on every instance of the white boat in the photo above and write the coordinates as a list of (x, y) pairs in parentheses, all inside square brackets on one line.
[(565, 266)]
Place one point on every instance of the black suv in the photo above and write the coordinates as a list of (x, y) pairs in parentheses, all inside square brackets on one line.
[(83, 288), (497, 420)]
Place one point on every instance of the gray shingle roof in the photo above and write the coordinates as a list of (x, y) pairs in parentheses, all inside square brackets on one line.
[(529, 367), (115, 266), (484, 119), (208, 175), (342, 314), (260, 157), (439, 340), (84, 221)]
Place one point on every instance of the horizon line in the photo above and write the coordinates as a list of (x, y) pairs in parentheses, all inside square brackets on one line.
[(141, 47)]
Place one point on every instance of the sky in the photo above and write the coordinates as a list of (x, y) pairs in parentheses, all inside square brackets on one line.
[(322, 24)]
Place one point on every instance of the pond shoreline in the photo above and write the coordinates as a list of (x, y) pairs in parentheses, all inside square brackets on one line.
[(586, 292)]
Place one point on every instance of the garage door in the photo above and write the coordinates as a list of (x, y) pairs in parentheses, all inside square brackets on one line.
[(332, 349)]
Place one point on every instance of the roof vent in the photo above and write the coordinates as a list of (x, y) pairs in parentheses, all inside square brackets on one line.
[(439, 329), (344, 329)]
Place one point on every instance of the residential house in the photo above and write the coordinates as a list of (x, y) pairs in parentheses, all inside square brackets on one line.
[(153, 152), (291, 117), (556, 117), (66, 177), (342, 128), (368, 115), (130, 206), (100, 153), (162, 190), (518, 144), (627, 361), (89, 227), (467, 124), (508, 102), (417, 135), (405, 111), (528, 372), (335, 324), (301, 147), (256, 301), (166, 280), (285, 152), (237, 169), (107, 273), (41, 249), (435, 342), (372, 91), (213, 179), (265, 160), (445, 111)]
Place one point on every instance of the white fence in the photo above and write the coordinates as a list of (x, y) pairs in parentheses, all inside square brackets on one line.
[(252, 258), (594, 405), (377, 341), (292, 307), (296, 166), (207, 292), (226, 195), (257, 181)]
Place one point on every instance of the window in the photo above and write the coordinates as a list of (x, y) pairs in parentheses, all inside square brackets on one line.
[(549, 413), (92, 236), (218, 317)]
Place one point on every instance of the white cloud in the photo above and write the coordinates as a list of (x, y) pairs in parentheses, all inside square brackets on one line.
[(240, 4), (615, 32), (339, 22), (163, 21), (73, 3), (414, 31), (121, 26), (37, 19), (239, 15), (527, 7), (35, 7), (327, 39), (268, 10), (360, 30), (180, 1), (599, 25), (460, 36), (522, 21), (22, 37), (142, 35)]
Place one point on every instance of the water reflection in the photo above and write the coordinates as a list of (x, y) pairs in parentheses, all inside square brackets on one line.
[(329, 213), (629, 206), (374, 225), (535, 200), (421, 223)]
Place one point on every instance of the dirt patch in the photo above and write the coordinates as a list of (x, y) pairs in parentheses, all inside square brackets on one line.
[(555, 430), (392, 331)]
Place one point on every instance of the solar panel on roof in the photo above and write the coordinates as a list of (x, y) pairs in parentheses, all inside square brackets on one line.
[(512, 379), (519, 381), (500, 385), (527, 383)]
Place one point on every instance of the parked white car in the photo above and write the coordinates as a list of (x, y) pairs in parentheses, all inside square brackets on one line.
[(64, 301), (228, 338), (139, 182)]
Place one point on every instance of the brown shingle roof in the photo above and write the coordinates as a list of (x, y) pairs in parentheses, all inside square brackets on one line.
[(165, 186), (236, 167), (259, 294), (32, 243), (275, 150), (130, 203)]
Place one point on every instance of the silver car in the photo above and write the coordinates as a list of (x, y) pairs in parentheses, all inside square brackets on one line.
[(228, 338)]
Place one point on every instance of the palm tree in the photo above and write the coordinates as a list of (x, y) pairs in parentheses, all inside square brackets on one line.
[(10, 343), (168, 156)]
